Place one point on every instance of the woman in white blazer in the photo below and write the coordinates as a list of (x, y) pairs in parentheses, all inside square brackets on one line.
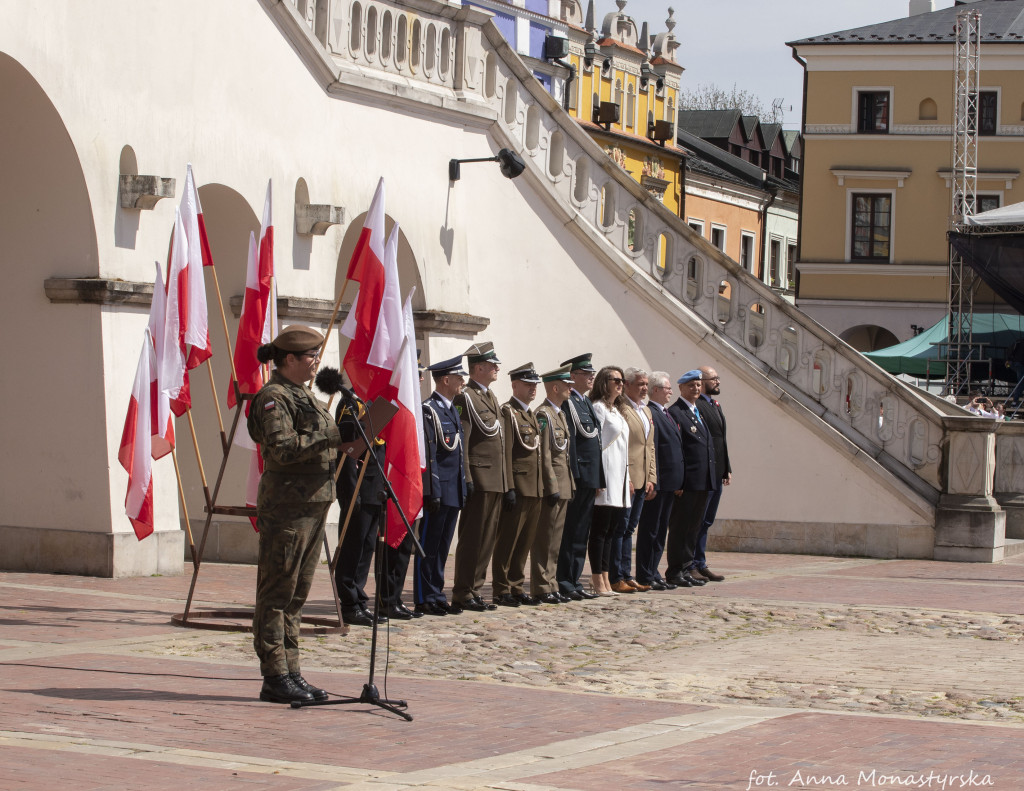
[(612, 501)]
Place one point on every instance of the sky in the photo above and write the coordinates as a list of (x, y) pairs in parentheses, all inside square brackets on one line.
[(743, 42)]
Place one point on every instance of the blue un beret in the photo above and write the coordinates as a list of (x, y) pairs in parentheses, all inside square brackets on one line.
[(689, 376)]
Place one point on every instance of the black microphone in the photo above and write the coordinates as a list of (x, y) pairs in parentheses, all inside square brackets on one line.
[(331, 381)]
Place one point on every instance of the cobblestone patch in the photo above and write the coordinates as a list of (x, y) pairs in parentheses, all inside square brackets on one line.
[(699, 651)]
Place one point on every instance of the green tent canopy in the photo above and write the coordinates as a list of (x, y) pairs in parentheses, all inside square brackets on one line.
[(998, 331)]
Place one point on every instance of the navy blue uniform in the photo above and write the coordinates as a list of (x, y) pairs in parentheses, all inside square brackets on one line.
[(444, 480), (650, 538)]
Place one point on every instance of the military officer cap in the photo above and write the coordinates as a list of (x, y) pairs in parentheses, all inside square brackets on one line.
[(296, 338), (482, 353), (525, 373), (559, 374), (581, 363), (689, 376), (448, 367)]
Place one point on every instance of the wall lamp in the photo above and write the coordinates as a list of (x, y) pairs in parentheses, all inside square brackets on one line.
[(510, 163)]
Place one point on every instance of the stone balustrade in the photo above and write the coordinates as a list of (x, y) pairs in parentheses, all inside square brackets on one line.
[(455, 58)]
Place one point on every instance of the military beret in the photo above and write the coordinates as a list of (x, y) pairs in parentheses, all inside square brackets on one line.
[(296, 338), (689, 376)]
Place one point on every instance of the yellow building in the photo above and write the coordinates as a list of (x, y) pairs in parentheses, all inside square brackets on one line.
[(625, 93), (876, 196)]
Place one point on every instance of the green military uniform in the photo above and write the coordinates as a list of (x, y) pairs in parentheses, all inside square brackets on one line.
[(487, 473), (298, 441), (558, 480), (518, 524)]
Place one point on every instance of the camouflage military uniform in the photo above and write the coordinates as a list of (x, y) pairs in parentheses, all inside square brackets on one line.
[(298, 441)]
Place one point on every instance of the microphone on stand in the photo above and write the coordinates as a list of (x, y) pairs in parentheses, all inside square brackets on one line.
[(331, 381)]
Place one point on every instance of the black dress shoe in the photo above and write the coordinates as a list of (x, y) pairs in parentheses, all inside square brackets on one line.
[(382, 618), (357, 617), (282, 689), (694, 581), (431, 608), (573, 596), (412, 613), (669, 586), (657, 585), (486, 606), (400, 613), (562, 598), (588, 594), (679, 581), (527, 599), (305, 686), (549, 598), (453, 608), (506, 600)]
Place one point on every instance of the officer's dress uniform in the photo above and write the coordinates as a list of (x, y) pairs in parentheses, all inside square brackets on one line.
[(588, 477), (298, 441), (558, 482), (486, 470), (444, 480), (357, 545), (517, 525)]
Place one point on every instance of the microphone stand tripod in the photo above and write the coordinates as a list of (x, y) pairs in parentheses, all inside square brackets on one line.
[(370, 694)]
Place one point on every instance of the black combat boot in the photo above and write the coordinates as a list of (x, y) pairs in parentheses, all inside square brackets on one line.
[(282, 689), (305, 686)]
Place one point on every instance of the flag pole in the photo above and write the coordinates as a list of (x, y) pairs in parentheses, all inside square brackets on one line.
[(224, 323), (327, 334), (184, 508), (216, 403), (199, 461)]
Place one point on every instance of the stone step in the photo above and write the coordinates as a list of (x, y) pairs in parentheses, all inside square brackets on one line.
[(1013, 546)]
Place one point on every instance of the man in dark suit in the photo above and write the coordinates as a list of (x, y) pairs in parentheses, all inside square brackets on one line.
[(700, 479), (444, 485), (714, 419), (587, 473), (654, 518)]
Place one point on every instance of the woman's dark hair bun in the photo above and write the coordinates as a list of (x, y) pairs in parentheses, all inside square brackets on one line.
[(265, 353)]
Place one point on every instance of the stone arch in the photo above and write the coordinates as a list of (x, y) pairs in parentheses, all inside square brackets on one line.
[(868, 337), (229, 219), (48, 230), (408, 266)]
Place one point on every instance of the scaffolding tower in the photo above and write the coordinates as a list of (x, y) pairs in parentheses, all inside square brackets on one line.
[(962, 281)]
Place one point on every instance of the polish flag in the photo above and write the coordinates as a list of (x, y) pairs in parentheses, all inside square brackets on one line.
[(163, 424), (204, 241), (135, 453), (404, 452), (367, 268), (195, 323), (257, 304), (173, 371)]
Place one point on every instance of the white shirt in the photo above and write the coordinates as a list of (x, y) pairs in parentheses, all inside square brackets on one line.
[(643, 416)]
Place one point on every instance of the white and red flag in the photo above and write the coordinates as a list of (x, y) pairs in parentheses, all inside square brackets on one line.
[(160, 404), (194, 319), (173, 370), (251, 324), (366, 267), (404, 434), (204, 240), (135, 453)]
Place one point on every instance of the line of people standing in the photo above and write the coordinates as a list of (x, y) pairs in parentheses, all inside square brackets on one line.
[(576, 476)]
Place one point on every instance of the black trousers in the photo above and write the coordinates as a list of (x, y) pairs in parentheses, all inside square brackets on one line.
[(396, 566), (356, 556), (651, 534), (572, 553), (684, 526), (602, 534)]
